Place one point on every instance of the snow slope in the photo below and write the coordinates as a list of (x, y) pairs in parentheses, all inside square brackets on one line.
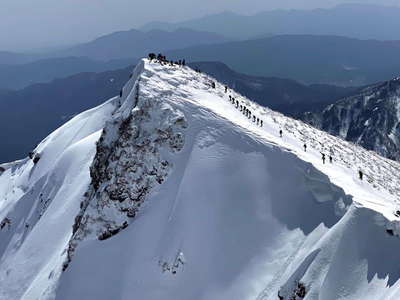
[(370, 118), (170, 192)]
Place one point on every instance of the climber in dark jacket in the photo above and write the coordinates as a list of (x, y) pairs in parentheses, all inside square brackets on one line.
[(279, 296), (261, 123), (120, 93), (330, 159), (360, 174), (305, 147), (226, 89), (323, 158), (280, 132)]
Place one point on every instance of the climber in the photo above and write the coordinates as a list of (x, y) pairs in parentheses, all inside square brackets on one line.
[(258, 121), (120, 93), (226, 89), (323, 158), (280, 132), (261, 123), (360, 174), (6, 221), (305, 147), (237, 104), (279, 295), (36, 158), (330, 159), (254, 119), (213, 84), (183, 62), (152, 56)]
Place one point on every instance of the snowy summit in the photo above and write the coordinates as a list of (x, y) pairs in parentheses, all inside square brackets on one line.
[(181, 188)]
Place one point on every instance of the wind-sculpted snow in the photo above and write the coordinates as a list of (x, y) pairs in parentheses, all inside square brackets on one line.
[(171, 192)]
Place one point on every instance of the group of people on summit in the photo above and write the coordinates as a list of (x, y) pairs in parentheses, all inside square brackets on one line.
[(162, 59)]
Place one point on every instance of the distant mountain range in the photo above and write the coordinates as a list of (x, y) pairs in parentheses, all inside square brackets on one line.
[(284, 95), (109, 52), (135, 43), (362, 21), (370, 118), (41, 71), (11, 58), (30, 114), (35, 111), (308, 59), (122, 45), (305, 58)]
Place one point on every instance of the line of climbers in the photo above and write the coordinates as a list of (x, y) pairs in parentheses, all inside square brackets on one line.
[(260, 122), (246, 112), (163, 60)]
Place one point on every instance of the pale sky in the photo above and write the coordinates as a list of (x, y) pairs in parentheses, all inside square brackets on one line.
[(26, 24)]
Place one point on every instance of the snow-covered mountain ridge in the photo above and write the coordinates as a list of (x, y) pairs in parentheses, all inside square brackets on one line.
[(171, 192), (370, 118)]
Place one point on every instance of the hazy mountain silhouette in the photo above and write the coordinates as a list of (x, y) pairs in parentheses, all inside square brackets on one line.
[(135, 43), (30, 114), (305, 58), (41, 71), (363, 21), (284, 95), (11, 58)]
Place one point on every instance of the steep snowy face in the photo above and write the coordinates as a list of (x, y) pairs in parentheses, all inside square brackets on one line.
[(39, 200), (182, 189), (370, 119)]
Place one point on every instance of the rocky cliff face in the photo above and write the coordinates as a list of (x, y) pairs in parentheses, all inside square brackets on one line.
[(370, 119), (128, 163)]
